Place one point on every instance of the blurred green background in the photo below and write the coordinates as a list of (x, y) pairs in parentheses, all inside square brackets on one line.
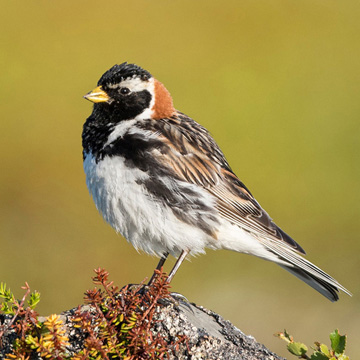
[(276, 82)]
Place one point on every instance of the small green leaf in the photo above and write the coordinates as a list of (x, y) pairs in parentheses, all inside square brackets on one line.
[(32, 342), (6, 293), (34, 299), (338, 342), (7, 309), (325, 350), (318, 356), (297, 348)]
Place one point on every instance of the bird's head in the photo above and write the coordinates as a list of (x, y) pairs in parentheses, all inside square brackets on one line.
[(127, 91)]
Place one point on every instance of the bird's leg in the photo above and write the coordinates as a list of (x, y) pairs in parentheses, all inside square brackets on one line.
[(179, 261), (159, 266)]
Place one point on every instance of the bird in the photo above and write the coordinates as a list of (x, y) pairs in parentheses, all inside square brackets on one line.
[(160, 180)]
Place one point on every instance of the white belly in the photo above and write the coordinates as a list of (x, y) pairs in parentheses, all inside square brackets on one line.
[(140, 218)]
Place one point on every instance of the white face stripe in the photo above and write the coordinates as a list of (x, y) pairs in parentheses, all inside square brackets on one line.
[(127, 126), (120, 130), (134, 84)]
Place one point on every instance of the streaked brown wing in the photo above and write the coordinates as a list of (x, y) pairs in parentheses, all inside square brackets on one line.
[(193, 156), (238, 206)]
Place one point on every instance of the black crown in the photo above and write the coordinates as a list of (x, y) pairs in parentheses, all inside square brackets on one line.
[(123, 71)]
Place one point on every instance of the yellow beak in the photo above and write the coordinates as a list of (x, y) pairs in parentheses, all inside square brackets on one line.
[(97, 95)]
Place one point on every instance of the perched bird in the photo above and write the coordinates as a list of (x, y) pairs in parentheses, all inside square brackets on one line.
[(159, 178)]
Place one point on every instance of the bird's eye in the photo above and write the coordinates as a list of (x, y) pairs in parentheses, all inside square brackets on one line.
[(124, 91)]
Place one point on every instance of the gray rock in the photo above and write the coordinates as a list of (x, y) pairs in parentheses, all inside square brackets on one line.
[(210, 336)]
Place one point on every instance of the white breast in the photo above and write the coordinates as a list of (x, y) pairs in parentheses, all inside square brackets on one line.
[(140, 218)]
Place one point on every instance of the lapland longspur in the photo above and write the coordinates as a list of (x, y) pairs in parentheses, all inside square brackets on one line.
[(159, 178)]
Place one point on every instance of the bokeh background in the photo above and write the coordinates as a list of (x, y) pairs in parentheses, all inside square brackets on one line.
[(276, 82)]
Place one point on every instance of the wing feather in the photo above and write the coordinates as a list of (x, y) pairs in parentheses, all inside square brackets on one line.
[(193, 156)]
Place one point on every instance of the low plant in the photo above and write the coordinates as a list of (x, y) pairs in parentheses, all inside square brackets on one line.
[(320, 351), (117, 324)]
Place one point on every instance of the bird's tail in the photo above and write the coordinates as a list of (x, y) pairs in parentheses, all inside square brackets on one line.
[(329, 288), (306, 271)]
